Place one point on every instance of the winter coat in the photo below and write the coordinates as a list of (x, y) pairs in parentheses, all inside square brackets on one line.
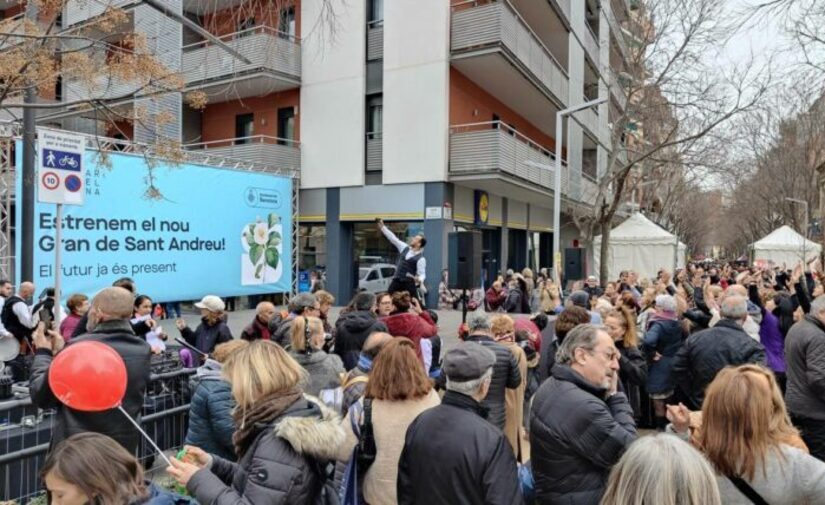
[(390, 420), (805, 358), (136, 354), (663, 337), (576, 436), (517, 302), (283, 465), (351, 331), (325, 370), (633, 375), (210, 412), (256, 330), (69, 325), (514, 401), (206, 337), (706, 352), (280, 330), (790, 477), (772, 340), (413, 326), (494, 299), (547, 351), (506, 375), (452, 456)]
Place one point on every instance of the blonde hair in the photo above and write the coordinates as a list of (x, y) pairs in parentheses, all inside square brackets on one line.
[(299, 335), (224, 350), (664, 470), (324, 297), (527, 273), (260, 369), (743, 417), (501, 325)]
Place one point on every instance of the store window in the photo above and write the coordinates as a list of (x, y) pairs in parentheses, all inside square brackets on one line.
[(375, 257), (313, 246)]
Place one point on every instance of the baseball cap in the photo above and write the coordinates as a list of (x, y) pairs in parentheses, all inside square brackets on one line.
[(211, 303), (467, 361)]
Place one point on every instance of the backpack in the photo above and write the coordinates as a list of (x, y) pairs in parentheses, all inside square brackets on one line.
[(513, 301)]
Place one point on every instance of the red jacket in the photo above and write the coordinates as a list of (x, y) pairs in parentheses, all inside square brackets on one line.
[(412, 326), (494, 300)]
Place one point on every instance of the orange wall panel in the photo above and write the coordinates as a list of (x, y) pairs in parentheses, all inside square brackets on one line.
[(466, 97), (265, 12), (218, 121)]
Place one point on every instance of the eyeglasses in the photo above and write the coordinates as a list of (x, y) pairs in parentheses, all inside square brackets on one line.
[(610, 355)]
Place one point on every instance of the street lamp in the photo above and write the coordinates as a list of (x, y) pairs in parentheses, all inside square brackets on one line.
[(805, 236), (557, 184)]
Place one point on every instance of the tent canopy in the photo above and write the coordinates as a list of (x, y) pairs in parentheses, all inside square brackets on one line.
[(784, 246), (640, 244)]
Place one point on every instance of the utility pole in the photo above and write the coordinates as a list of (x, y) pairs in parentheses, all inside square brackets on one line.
[(26, 237)]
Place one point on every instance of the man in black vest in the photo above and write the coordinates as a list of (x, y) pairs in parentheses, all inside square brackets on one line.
[(17, 320), (411, 267)]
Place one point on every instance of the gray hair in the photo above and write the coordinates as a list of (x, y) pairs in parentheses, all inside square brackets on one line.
[(302, 301), (478, 320), (734, 307), (666, 303), (664, 470), (469, 388), (584, 336), (818, 305)]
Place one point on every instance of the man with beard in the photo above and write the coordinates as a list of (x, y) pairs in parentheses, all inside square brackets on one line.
[(109, 324)]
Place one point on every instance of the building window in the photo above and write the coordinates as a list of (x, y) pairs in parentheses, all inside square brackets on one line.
[(375, 12), (244, 127), (286, 23), (286, 125), (375, 116), (313, 240), (245, 27)]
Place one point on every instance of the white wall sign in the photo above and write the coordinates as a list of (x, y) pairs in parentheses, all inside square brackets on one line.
[(61, 172), (432, 213)]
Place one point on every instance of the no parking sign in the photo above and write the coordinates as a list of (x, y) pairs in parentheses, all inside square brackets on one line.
[(61, 171)]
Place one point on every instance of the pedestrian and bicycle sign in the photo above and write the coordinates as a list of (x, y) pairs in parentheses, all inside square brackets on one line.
[(61, 168)]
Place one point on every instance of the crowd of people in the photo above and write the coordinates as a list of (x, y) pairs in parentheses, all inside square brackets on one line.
[(724, 366)]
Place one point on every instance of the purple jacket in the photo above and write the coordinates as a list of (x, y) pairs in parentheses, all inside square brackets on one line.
[(772, 340)]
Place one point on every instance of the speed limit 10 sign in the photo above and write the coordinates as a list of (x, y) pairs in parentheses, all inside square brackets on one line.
[(61, 167)]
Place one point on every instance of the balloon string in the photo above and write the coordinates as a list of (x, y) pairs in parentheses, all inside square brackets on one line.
[(145, 435)]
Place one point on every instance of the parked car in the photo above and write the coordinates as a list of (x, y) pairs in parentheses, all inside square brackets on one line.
[(375, 278)]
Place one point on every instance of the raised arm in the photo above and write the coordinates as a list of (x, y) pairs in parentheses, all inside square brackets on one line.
[(391, 236)]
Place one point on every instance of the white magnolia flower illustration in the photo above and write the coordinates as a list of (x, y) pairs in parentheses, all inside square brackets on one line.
[(261, 233)]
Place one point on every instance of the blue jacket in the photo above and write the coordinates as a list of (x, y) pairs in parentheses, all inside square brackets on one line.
[(664, 337), (159, 496), (206, 337), (210, 413)]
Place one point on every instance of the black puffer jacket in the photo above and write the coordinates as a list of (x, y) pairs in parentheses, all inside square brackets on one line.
[(206, 336), (135, 352), (706, 352), (210, 412), (282, 466), (576, 436), (351, 331), (505, 375)]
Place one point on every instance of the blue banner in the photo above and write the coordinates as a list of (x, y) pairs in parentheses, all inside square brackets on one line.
[(180, 231)]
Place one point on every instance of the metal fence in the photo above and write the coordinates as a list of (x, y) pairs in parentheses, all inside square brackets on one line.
[(25, 430)]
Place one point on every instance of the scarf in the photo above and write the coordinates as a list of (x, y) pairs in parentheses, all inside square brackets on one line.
[(267, 408)]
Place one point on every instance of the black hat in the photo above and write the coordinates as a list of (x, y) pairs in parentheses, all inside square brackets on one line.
[(468, 361)]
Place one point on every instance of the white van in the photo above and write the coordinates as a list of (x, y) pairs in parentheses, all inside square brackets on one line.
[(376, 277)]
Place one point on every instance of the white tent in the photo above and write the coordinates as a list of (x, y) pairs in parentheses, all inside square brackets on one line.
[(641, 245), (784, 246)]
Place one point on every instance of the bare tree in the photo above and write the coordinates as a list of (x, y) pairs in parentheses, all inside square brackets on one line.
[(677, 94)]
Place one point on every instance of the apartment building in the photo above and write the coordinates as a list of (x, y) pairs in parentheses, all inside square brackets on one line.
[(435, 115)]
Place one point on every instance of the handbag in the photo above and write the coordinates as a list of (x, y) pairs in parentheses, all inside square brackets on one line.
[(363, 454), (748, 491)]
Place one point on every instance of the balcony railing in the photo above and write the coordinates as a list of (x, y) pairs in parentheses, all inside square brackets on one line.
[(494, 147), (266, 48), (617, 89), (616, 31), (591, 44), (375, 40), (476, 25), (375, 151), (9, 28), (264, 149), (590, 119), (103, 87)]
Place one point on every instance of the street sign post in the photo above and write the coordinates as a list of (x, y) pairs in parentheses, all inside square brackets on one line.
[(61, 173)]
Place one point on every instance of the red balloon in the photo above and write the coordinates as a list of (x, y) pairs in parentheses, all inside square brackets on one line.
[(88, 376)]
